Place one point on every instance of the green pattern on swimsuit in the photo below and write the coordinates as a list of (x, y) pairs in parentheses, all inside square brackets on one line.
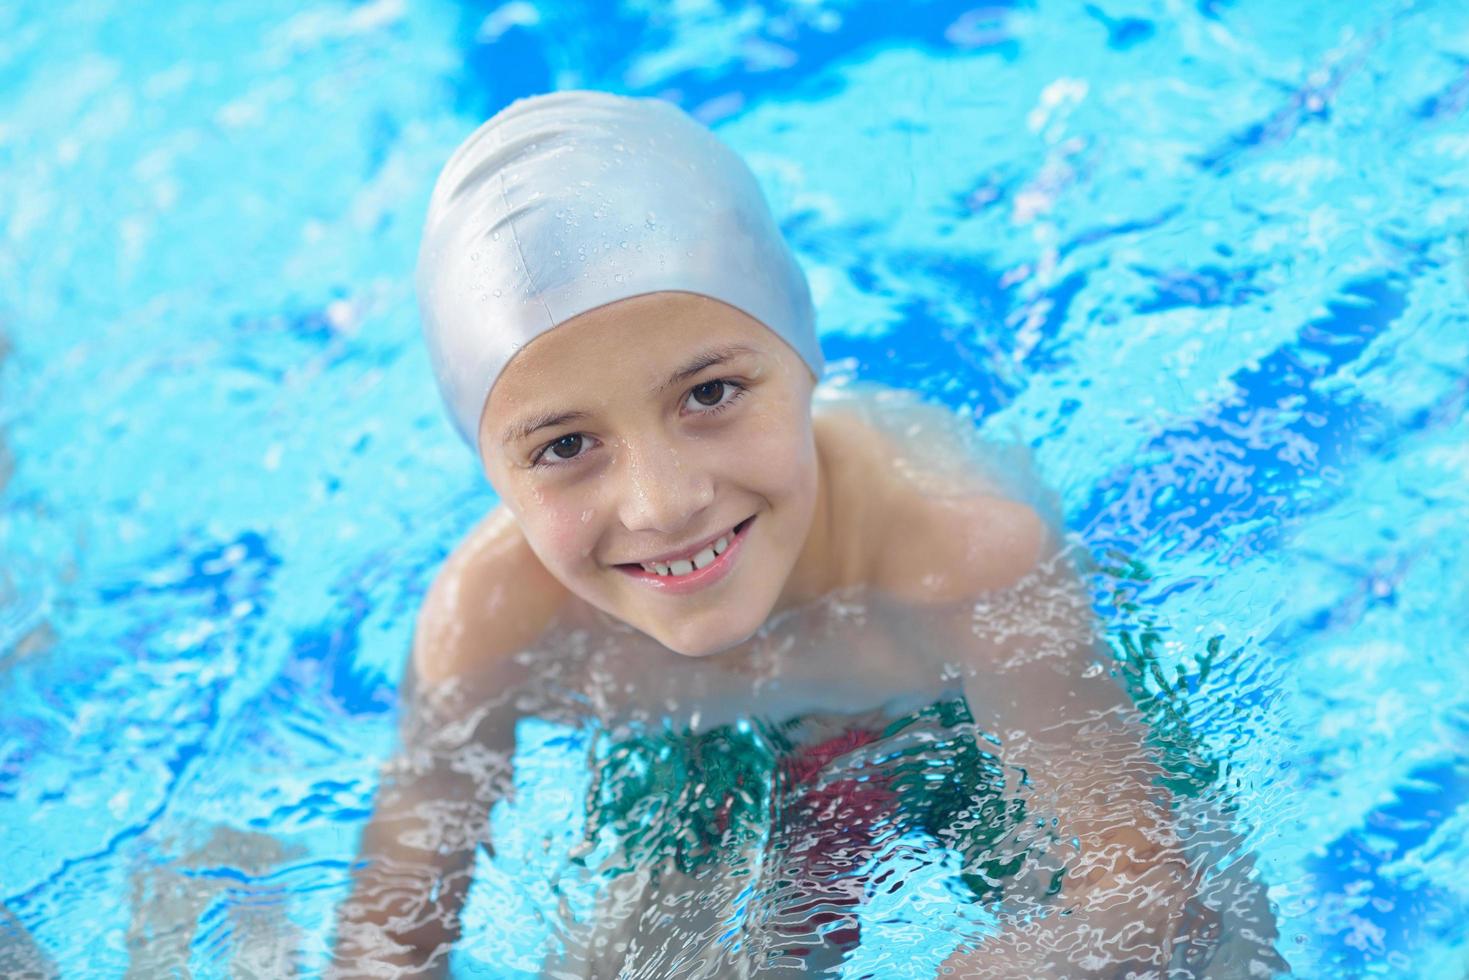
[(680, 795), (1190, 766), (962, 800), (687, 798)]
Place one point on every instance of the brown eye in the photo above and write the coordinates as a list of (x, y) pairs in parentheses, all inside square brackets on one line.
[(570, 443), (714, 391)]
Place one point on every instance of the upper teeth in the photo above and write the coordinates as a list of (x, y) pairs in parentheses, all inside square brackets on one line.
[(685, 565)]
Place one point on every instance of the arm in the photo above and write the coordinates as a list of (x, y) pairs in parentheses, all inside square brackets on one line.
[(1156, 884), (416, 857), (490, 602), (20, 954), (1019, 628), (1127, 884)]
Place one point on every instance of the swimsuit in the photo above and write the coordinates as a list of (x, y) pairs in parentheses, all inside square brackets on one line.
[(813, 839), (809, 816)]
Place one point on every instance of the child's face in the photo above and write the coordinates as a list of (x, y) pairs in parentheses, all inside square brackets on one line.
[(647, 470)]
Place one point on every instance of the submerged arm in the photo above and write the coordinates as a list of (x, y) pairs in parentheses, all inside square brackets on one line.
[(1126, 883), (1023, 636), (479, 621), (417, 853)]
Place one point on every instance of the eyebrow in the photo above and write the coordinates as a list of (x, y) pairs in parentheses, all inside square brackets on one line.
[(709, 358), (526, 427)]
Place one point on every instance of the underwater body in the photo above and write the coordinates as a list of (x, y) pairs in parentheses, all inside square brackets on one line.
[(1203, 261), (873, 783)]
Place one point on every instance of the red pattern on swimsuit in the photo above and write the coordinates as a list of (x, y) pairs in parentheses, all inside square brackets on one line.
[(834, 827)]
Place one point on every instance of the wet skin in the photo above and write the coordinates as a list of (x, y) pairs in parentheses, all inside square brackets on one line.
[(651, 470), (649, 467)]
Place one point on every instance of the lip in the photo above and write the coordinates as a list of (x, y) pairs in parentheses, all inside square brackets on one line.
[(699, 578)]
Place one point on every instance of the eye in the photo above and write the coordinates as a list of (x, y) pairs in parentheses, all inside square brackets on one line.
[(564, 449), (711, 394)]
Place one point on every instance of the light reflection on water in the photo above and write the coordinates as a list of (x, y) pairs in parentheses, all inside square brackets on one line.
[(1204, 260), (766, 826)]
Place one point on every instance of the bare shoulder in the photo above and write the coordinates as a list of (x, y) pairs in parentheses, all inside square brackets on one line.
[(491, 597), (929, 545), (942, 549)]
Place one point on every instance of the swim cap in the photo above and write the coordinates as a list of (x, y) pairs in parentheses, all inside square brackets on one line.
[(567, 201)]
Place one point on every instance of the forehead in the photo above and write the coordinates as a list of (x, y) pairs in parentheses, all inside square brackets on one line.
[(639, 337)]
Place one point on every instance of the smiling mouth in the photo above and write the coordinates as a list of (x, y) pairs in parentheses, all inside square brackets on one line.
[(689, 563)]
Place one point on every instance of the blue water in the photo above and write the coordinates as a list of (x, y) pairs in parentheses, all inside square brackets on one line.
[(1207, 259)]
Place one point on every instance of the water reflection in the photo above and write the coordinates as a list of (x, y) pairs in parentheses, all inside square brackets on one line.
[(871, 788), (217, 896), (20, 954)]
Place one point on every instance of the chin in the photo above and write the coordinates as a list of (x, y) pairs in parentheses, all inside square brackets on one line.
[(707, 643)]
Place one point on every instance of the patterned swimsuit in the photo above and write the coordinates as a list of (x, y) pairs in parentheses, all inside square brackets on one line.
[(816, 812)]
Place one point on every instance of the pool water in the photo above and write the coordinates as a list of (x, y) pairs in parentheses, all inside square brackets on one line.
[(1204, 261)]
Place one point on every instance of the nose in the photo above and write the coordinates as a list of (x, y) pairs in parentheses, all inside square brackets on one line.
[(662, 489)]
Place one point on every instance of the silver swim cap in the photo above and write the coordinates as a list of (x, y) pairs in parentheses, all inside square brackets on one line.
[(564, 202)]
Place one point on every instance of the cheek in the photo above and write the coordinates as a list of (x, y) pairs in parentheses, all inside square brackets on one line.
[(779, 459), (790, 443), (559, 535)]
